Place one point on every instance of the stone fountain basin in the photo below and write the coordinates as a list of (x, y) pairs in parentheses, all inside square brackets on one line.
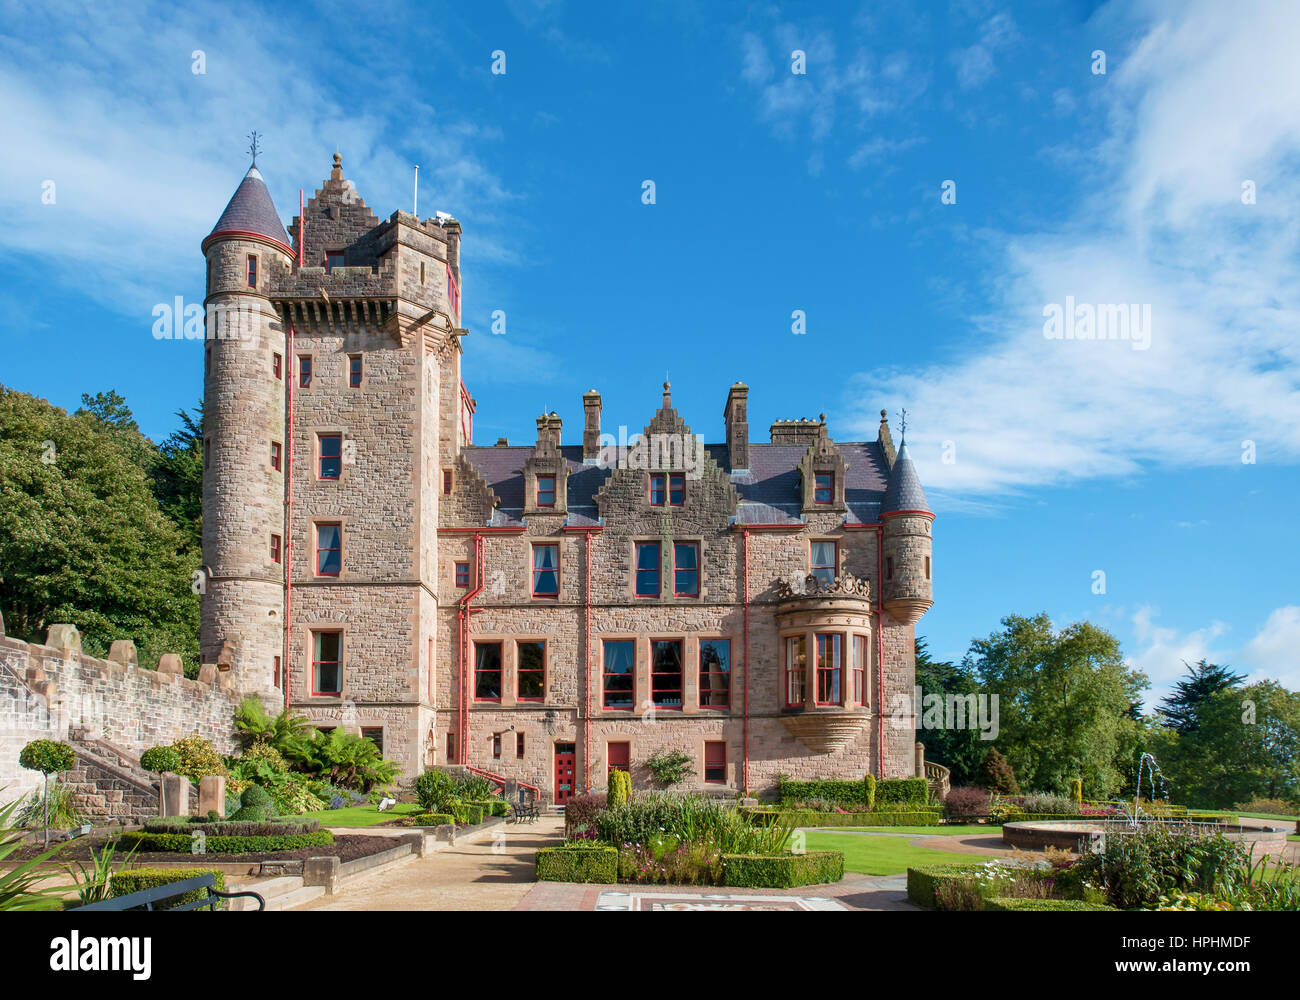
[(1085, 835)]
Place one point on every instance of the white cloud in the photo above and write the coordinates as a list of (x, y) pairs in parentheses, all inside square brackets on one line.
[(1163, 653), (1274, 652), (975, 64), (1205, 101)]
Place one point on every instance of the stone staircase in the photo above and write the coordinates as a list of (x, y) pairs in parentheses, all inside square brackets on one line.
[(110, 786), (281, 893)]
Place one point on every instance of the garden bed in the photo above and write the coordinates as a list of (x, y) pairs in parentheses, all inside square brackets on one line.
[(346, 847)]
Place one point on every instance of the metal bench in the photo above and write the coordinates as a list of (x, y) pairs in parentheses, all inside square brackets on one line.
[(524, 809), (146, 898)]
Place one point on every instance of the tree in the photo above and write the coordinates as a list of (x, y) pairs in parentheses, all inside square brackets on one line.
[(48, 757), (1066, 701), (82, 538), (997, 775), (960, 750), (1181, 710), (178, 475), (110, 411)]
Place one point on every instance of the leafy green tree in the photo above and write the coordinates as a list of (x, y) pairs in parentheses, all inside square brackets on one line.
[(1066, 701), (82, 538), (1181, 710), (996, 774), (959, 750), (178, 475), (48, 757), (110, 411)]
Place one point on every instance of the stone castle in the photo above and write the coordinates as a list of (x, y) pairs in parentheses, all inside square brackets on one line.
[(544, 612)]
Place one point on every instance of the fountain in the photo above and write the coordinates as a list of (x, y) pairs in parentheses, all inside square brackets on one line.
[(1090, 835)]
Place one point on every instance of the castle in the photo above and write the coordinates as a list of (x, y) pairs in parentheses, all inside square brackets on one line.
[(545, 612)]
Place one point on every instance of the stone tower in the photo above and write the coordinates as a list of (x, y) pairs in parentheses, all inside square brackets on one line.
[(906, 589), (243, 428)]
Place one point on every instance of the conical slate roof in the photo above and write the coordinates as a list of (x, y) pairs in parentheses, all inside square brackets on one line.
[(251, 211), (904, 490)]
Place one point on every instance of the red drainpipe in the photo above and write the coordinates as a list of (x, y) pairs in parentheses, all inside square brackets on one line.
[(586, 679), (462, 639), (880, 650), (746, 723)]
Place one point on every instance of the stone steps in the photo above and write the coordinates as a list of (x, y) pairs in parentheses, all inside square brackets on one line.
[(281, 893)]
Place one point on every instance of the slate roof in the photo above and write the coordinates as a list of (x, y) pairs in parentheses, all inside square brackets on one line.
[(250, 210), (769, 492), (904, 491)]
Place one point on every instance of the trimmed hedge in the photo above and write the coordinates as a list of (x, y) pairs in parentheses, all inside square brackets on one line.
[(492, 807), (907, 791), (922, 881), (180, 843), (467, 813), (846, 793), (578, 863), (132, 880), (229, 828), (781, 871), (1007, 903), (431, 819), (806, 817)]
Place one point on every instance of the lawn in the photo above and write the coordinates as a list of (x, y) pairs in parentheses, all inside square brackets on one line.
[(884, 855), (955, 830), (366, 815), (1269, 816)]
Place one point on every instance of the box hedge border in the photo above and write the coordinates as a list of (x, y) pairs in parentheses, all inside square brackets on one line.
[(180, 843), (131, 880), (782, 871), (1008, 904), (586, 863)]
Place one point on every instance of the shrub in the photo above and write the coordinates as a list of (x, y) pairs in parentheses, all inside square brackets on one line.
[(1048, 805), (965, 801), (435, 790), (1138, 868), (474, 787), (796, 817), (249, 814), (123, 883), (430, 819), (782, 871), (620, 787), (230, 827), (997, 775), (1011, 903), (197, 758), (870, 782), (832, 792), (580, 863), (181, 843), (466, 813), (691, 819), (1274, 807), (1076, 791), (580, 813), (257, 797), (492, 807), (669, 767), (669, 861), (924, 880), (902, 791), (47, 756), (160, 759), (55, 807)]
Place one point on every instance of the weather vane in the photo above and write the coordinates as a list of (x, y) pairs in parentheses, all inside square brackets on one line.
[(253, 146), (902, 421)]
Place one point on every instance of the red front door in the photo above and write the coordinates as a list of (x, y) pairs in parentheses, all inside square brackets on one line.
[(565, 761)]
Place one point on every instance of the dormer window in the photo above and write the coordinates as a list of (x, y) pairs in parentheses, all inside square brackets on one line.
[(667, 489), (545, 491), (824, 487), (333, 259)]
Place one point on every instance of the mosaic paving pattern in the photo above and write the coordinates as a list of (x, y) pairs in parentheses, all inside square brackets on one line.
[(710, 901)]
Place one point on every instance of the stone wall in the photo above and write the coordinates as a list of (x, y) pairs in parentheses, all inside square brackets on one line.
[(53, 691)]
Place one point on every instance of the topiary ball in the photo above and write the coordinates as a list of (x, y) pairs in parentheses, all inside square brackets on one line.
[(249, 814), (160, 759), (257, 796), (47, 756)]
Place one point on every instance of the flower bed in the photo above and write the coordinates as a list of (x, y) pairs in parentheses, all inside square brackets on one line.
[(796, 817)]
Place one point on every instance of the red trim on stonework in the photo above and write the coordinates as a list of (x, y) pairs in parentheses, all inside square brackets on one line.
[(618, 757), (483, 531), (520, 671), (715, 762), (819, 489), (486, 673), (695, 570), (910, 513), (316, 662), (789, 672), (638, 570), (545, 488), (241, 234), (462, 578), (830, 668), (745, 537)]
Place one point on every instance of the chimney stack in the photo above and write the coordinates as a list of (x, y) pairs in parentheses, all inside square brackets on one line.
[(548, 430), (886, 439), (591, 425), (737, 419)]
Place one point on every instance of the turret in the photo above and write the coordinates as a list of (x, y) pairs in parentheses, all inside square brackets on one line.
[(246, 365), (906, 590)]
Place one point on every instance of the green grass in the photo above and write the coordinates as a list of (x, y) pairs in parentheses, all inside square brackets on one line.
[(884, 855), (955, 830), (1294, 838), (366, 815), (1269, 816)]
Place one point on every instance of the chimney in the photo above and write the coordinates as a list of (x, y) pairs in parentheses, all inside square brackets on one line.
[(737, 420), (803, 432), (591, 424), (548, 430)]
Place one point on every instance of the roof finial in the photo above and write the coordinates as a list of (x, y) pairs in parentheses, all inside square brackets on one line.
[(902, 425), (254, 147)]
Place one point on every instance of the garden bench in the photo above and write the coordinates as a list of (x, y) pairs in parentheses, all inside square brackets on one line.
[(524, 809), (145, 898)]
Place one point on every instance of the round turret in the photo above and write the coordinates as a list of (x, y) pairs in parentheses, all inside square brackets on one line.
[(907, 590)]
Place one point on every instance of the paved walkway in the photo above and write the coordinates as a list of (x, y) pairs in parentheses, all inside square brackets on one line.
[(855, 892), (492, 870)]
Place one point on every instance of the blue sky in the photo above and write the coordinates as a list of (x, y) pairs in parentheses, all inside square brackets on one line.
[(775, 191)]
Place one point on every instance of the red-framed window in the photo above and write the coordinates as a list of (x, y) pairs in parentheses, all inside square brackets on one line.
[(327, 663), (927, 567), (451, 746), (275, 455), (354, 371), (667, 489), (446, 481), (796, 670), (647, 569), (277, 366), (333, 259), (618, 673), (275, 670), (530, 672), (546, 571), (462, 574), (860, 669), (666, 673), (330, 449), (496, 745), (275, 548), (830, 668), (304, 371), (618, 757), (252, 271), (715, 673), (686, 569), (715, 762), (519, 745), (823, 487), (545, 491), (825, 562), (487, 671), (375, 735), (329, 549)]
